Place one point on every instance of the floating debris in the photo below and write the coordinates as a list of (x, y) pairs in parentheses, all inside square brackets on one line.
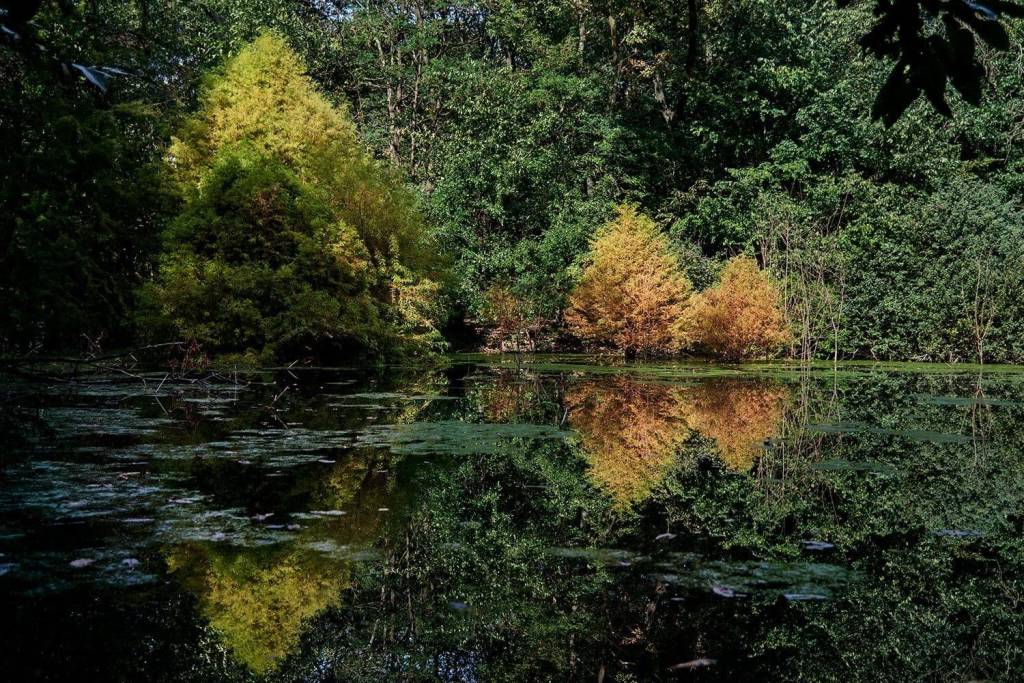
[(701, 663), (959, 533), (817, 545), (804, 597), (725, 591)]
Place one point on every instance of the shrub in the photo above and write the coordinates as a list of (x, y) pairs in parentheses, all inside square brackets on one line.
[(741, 316), (633, 295)]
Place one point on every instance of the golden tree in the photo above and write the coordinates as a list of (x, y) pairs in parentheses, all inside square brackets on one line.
[(741, 316), (633, 295), (292, 238)]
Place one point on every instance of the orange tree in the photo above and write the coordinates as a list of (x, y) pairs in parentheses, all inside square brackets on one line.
[(741, 316), (633, 295)]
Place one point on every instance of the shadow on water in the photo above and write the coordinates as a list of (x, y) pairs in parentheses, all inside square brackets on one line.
[(551, 519)]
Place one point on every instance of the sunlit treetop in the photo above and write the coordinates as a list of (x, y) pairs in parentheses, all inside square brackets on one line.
[(263, 98)]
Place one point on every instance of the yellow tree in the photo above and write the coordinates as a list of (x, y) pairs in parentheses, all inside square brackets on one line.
[(263, 98), (741, 316), (267, 156), (633, 295)]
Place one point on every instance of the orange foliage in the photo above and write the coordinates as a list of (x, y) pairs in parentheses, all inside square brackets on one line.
[(508, 322), (629, 432), (739, 416), (741, 316), (633, 294)]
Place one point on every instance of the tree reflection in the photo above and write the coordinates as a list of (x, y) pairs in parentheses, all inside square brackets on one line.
[(631, 431), (258, 597), (257, 600), (739, 416)]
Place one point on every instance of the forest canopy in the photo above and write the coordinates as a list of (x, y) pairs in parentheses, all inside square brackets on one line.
[(302, 179)]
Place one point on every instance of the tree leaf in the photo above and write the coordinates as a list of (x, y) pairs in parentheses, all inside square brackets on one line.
[(895, 95)]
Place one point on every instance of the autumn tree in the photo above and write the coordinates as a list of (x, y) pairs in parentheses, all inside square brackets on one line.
[(633, 295), (291, 239), (741, 316)]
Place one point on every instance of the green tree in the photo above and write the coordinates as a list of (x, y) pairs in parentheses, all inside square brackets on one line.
[(82, 205), (292, 239)]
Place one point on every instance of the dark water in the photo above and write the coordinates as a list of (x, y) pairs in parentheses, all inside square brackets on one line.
[(483, 520)]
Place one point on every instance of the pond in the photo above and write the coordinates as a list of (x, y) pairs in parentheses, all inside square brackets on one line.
[(502, 519)]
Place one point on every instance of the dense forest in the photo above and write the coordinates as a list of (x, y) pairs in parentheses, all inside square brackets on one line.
[(278, 181)]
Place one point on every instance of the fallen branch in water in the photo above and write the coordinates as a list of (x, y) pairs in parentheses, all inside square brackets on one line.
[(94, 360)]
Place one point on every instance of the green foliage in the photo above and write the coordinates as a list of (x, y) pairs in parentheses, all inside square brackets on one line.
[(82, 202), (256, 262), (739, 127)]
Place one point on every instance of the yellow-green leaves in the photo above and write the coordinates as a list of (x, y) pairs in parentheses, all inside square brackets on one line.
[(293, 240)]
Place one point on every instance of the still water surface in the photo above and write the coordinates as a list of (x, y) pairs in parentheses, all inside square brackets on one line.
[(557, 518)]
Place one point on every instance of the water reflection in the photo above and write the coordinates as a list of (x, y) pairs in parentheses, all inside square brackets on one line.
[(738, 415), (631, 431), (257, 599), (443, 525)]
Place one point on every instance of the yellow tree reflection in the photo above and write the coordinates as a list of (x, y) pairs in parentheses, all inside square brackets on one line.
[(739, 416), (629, 432), (257, 601), (257, 598)]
